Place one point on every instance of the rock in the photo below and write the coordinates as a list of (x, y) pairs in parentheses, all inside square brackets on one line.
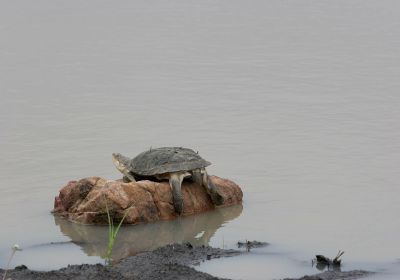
[(21, 267), (85, 201)]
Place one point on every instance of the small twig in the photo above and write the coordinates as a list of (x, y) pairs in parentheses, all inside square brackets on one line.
[(339, 254), (336, 260)]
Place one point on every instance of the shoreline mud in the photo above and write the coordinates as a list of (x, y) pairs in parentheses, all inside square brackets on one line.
[(175, 261)]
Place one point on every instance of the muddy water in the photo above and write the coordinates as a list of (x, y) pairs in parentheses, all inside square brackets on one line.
[(297, 101)]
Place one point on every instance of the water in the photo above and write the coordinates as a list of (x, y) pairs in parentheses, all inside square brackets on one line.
[(296, 101)]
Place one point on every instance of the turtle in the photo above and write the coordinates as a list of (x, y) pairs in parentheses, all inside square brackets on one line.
[(169, 163)]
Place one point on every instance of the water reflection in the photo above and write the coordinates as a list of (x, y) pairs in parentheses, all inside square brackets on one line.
[(323, 266), (196, 229)]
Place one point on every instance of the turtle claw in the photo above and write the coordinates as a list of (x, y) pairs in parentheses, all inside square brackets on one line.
[(217, 199), (178, 207)]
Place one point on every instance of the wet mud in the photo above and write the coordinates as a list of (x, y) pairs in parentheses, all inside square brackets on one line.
[(177, 261)]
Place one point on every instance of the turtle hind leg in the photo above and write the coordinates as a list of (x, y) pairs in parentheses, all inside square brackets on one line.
[(216, 198), (175, 181)]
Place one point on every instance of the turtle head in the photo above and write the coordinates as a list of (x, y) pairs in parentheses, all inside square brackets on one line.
[(120, 161)]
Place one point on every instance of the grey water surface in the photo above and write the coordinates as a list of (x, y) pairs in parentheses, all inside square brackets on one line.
[(296, 101)]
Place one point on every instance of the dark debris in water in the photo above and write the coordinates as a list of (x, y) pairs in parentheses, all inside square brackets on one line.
[(323, 262), (251, 244)]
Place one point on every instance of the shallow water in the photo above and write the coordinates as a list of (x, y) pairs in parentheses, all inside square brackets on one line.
[(296, 101)]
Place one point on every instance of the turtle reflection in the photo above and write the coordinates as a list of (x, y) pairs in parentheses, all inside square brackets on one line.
[(196, 229)]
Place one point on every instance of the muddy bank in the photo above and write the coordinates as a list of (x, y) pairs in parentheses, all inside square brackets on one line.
[(335, 275), (168, 262)]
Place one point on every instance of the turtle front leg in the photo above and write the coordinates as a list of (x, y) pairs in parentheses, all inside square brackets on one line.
[(175, 181), (128, 175), (216, 198)]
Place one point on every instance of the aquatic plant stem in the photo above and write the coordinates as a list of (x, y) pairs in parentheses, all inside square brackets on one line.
[(112, 232), (14, 249), (8, 264)]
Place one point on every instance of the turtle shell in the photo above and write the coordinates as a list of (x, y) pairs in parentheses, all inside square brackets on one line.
[(165, 160)]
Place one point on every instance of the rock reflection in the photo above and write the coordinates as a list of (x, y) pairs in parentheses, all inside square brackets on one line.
[(196, 229)]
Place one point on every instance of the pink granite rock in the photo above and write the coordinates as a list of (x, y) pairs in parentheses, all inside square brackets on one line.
[(85, 201)]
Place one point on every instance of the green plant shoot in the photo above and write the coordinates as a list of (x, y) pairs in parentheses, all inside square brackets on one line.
[(112, 233)]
